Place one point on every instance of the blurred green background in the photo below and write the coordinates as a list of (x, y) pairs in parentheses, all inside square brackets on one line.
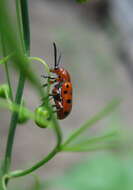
[(96, 44)]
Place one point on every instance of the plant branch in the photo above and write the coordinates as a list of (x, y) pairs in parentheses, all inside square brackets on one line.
[(94, 140), (88, 149), (13, 125), (6, 67), (14, 119), (106, 111), (56, 149), (16, 108)]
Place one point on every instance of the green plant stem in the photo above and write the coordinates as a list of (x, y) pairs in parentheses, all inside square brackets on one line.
[(42, 62), (45, 159), (20, 24), (6, 67), (36, 166), (88, 149), (26, 25), (6, 58), (13, 125), (16, 108), (19, 93), (47, 70)]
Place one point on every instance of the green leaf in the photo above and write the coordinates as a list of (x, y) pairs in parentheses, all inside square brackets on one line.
[(95, 143), (102, 138), (100, 172)]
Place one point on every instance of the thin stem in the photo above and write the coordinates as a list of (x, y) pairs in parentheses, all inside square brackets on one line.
[(26, 25), (6, 67), (44, 160), (34, 167), (19, 93), (42, 62), (4, 179), (16, 108), (94, 140), (20, 25), (6, 58), (88, 149), (46, 68), (13, 126)]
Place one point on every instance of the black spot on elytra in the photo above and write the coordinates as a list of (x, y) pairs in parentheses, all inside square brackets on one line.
[(65, 91), (69, 101), (67, 86), (66, 113)]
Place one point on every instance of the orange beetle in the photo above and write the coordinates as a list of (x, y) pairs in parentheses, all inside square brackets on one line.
[(62, 90)]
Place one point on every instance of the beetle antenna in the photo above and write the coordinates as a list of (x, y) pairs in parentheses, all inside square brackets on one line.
[(55, 56), (58, 62)]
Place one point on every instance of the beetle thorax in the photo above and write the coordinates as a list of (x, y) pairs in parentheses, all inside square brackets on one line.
[(62, 74)]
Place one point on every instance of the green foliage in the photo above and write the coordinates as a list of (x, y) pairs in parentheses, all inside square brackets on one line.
[(4, 91), (100, 172), (17, 50), (23, 116)]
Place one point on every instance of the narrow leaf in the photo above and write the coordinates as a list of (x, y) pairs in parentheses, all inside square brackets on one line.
[(99, 139), (105, 112), (88, 149)]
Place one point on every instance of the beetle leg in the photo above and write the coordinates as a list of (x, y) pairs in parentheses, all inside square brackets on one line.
[(50, 98), (51, 82), (54, 106), (59, 104), (45, 85), (51, 95), (48, 77), (56, 110)]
